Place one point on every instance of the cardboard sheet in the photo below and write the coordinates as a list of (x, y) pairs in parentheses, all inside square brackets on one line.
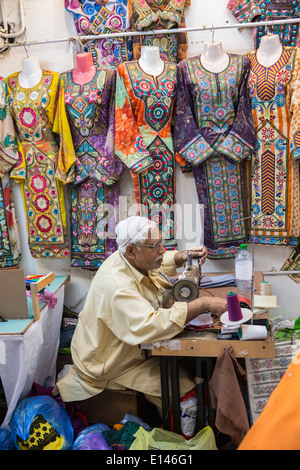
[(13, 299)]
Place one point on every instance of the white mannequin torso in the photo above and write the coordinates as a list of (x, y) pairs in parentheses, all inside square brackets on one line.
[(269, 50), (31, 73), (150, 60), (214, 58)]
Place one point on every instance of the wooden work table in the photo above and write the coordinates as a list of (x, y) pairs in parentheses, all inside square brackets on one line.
[(205, 348), (205, 344)]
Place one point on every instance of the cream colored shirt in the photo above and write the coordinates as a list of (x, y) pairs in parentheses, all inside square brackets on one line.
[(122, 310)]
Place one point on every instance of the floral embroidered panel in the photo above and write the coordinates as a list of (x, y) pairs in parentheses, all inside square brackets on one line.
[(143, 140), (96, 17), (275, 101), (145, 15), (214, 132), (247, 11), (44, 165), (10, 250), (95, 191)]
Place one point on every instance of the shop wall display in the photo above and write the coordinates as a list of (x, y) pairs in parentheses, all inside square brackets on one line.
[(87, 17)]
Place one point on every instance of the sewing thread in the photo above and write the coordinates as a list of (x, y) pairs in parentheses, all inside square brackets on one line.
[(233, 306)]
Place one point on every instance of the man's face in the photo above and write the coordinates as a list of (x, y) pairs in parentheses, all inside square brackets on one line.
[(143, 257)]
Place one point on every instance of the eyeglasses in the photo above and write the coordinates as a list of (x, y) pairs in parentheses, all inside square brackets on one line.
[(155, 245)]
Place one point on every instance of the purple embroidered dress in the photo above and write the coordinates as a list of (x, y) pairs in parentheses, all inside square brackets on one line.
[(214, 133), (95, 192)]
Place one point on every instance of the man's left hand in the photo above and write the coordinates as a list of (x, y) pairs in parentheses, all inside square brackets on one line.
[(198, 252)]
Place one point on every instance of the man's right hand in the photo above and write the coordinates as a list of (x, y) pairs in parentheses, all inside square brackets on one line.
[(214, 305)]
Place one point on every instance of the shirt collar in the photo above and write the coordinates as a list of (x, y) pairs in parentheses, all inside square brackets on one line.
[(137, 274), (150, 274)]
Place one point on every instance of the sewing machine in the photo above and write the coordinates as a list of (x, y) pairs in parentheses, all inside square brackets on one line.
[(186, 288)]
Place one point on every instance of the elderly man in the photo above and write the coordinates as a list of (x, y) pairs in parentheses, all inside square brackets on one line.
[(124, 309)]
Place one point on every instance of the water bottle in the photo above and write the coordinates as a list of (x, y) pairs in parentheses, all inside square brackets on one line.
[(243, 273)]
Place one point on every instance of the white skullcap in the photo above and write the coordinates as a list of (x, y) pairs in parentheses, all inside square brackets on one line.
[(132, 229)]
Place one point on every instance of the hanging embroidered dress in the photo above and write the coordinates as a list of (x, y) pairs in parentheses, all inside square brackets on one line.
[(247, 11), (96, 17), (95, 191), (275, 196), (214, 132), (44, 165), (143, 140), (10, 251), (146, 15)]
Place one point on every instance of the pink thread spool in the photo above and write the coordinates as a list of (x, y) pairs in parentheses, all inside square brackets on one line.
[(234, 309)]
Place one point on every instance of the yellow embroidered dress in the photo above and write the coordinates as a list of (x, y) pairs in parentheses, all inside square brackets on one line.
[(46, 156), (275, 194)]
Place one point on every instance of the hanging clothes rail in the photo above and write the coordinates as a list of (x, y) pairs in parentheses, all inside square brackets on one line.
[(158, 31)]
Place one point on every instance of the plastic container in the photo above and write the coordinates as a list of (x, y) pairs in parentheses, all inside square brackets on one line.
[(243, 273)]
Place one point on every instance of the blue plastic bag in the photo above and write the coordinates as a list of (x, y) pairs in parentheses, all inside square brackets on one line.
[(91, 438), (6, 440), (40, 423)]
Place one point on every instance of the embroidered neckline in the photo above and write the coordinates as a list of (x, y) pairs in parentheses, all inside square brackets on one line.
[(266, 76), (216, 73)]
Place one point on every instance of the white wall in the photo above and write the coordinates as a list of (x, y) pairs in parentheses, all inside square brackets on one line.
[(48, 20)]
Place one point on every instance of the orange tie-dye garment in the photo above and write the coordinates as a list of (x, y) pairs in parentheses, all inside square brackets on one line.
[(143, 141)]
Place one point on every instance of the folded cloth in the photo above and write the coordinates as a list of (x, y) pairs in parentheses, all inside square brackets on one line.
[(218, 281), (200, 323), (226, 397), (46, 296)]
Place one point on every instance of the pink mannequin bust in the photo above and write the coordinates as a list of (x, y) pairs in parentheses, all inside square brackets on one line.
[(85, 69)]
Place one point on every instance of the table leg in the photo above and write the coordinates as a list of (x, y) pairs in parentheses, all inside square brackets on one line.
[(210, 364), (200, 417), (204, 369), (165, 392), (175, 395)]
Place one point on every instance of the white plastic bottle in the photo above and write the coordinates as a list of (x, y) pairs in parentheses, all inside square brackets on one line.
[(243, 273)]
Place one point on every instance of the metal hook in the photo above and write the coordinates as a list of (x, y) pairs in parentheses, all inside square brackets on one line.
[(213, 35), (26, 51), (80, 46)]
